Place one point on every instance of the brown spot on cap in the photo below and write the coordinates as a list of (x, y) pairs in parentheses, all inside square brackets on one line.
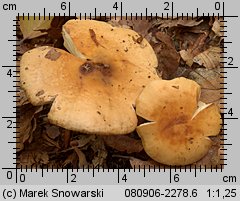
[(176, 87), (40, 93), (53, 54), (93, 36), (191, 140), (89, 67), (86, 68), (138, 40)]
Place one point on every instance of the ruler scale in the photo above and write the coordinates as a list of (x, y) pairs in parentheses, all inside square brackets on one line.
[(198, 182)]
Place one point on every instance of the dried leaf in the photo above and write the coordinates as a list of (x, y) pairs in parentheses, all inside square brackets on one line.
[(71, 159), (218, 27), (209, 80), (187, 57), (33, 28), (100, 158), (180, 22), (21, 98), (52, 131), (199, 44), (66, 138), (123, 143), (34, 158), (100, 152), (82, 140), (210, 58), (27, 124), (137, 163), (55, 32), (193, 49), (213, 157), (140, 26), (82, 161), (167, 56), (49, 141)]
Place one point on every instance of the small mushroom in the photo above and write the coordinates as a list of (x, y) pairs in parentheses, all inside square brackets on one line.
[(180, 126), (96, 92)]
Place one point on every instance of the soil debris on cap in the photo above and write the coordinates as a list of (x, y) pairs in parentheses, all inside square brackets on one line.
[(40, 93), (93, 36), (53, 54), (88, 67)]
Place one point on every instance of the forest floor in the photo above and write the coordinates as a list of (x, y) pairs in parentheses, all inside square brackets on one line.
[(184, 47)]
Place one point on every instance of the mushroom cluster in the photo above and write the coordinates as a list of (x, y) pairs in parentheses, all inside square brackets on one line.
[(109, 71), (93, 89)]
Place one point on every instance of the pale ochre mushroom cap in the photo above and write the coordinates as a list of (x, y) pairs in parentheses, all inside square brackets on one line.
[(180, 124), (91, 94)]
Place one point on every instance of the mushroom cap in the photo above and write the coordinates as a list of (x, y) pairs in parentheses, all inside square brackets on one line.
[(87, 97), (88, 38), (179, 126)]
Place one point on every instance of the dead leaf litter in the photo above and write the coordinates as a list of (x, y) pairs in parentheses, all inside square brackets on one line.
[(189, 48)]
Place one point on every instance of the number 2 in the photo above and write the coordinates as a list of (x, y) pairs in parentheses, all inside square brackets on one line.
[(167, 5)]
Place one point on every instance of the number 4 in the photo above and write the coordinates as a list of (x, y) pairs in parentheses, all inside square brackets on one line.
[(230, 112), (124, 178), (115, 5), (9, 73)]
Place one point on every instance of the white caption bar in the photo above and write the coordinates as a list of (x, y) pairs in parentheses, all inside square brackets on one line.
[(128, 192)]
